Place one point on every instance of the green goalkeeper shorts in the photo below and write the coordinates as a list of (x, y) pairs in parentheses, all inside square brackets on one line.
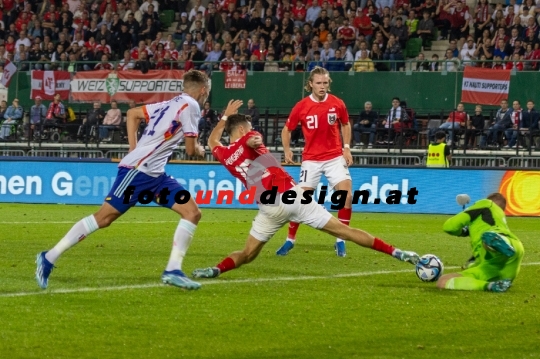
[(491, 266)]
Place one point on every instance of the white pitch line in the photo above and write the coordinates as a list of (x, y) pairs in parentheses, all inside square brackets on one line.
[(123, 222), (215, 281)]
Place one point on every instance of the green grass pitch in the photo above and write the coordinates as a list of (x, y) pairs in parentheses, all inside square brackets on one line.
[(105, 299)]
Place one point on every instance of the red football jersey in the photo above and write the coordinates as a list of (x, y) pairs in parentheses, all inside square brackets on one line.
[(348, 31), (238, 156), (321, 122)]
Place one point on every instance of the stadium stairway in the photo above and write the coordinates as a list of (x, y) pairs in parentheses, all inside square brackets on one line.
[(437, 47)]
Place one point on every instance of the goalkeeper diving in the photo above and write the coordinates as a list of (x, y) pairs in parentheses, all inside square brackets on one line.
[(497, 252)]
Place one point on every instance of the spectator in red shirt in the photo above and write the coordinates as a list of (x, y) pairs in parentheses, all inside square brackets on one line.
[(23, 20), (456, 120), (126, 63), (228, 62), (346, 34), (136, 51), (261, 52), (104, 64), (363, 24), (299, 11), (91, 44), (515, 63), (105, 3), (103, 49), (10, 44)]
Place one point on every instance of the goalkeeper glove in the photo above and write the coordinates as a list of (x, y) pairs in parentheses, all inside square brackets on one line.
[(464, 231)]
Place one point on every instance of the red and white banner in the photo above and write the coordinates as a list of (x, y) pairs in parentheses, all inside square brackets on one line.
[(9, 71), (485, 86), (122, 86), (48, 83), (235, 78)]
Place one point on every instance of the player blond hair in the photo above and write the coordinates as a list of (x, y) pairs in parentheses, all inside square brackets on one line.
[(317, 71), (195, 78)]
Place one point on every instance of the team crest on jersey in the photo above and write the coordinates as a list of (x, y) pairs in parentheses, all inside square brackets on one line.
[(332, 118)]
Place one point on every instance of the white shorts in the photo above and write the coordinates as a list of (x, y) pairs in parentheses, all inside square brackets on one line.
[(271, 218), (334, 170)]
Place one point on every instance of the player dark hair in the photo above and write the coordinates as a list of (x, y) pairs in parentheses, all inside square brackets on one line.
[(233, 121), (195, 78), (439, 135), (317, 71), (498, 199)]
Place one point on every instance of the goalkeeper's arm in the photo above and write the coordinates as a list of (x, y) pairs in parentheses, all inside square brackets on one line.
[(455, 225)]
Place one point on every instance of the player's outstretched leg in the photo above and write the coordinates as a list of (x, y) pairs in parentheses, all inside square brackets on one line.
[(456, 281), (345, 213), (183, 236), (364, 239), (344, 216), (498, 243), (45, 260), (234, 260), (290, 241)]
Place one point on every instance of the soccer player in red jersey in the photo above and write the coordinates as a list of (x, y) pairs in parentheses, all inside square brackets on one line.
[(321, 116), (247, 154)]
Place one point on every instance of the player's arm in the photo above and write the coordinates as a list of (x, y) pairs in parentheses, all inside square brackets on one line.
[(286, 142), (290, 125), (217, 132), (215, 136), (192, 147), (454, 226), (346, 133), (133, 119)]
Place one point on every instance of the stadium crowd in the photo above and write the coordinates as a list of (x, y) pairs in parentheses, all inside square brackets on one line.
[(267, 35)]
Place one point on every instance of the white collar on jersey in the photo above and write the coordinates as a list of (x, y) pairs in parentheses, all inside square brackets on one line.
[(314, 100)]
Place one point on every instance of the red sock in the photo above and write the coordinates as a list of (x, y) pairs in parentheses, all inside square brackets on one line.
[(226, 265), (293, 228), (344, 215), (382, 246)]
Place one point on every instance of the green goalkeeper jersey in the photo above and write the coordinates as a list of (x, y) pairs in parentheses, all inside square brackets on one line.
[(481, 217)]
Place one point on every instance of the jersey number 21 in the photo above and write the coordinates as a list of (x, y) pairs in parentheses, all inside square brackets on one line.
[(312, 122)]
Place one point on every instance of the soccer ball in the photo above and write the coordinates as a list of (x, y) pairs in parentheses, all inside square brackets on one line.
[(429, 268)]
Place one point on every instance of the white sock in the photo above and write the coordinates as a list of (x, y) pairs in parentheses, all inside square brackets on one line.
[(338, 240), (77, 233), (291, 240), (182, 239)]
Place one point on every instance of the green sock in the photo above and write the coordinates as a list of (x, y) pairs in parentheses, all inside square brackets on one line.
[(466, 283)]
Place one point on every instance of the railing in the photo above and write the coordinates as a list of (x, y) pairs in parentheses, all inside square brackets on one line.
[(474, 161), (10, 152), (524, 162), (70, 153), (407, 65), (387, 160), (118, 154)]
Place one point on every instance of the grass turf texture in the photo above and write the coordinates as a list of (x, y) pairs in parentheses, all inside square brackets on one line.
[(310, 314)]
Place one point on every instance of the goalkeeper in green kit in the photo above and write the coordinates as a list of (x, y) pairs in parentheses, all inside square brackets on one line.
[(497, 252)]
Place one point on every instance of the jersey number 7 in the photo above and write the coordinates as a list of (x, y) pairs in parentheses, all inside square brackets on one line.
[(312, 122)]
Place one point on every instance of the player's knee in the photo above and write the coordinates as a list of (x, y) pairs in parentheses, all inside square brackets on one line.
[(349, 199), (194, 215), (104, 221)]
